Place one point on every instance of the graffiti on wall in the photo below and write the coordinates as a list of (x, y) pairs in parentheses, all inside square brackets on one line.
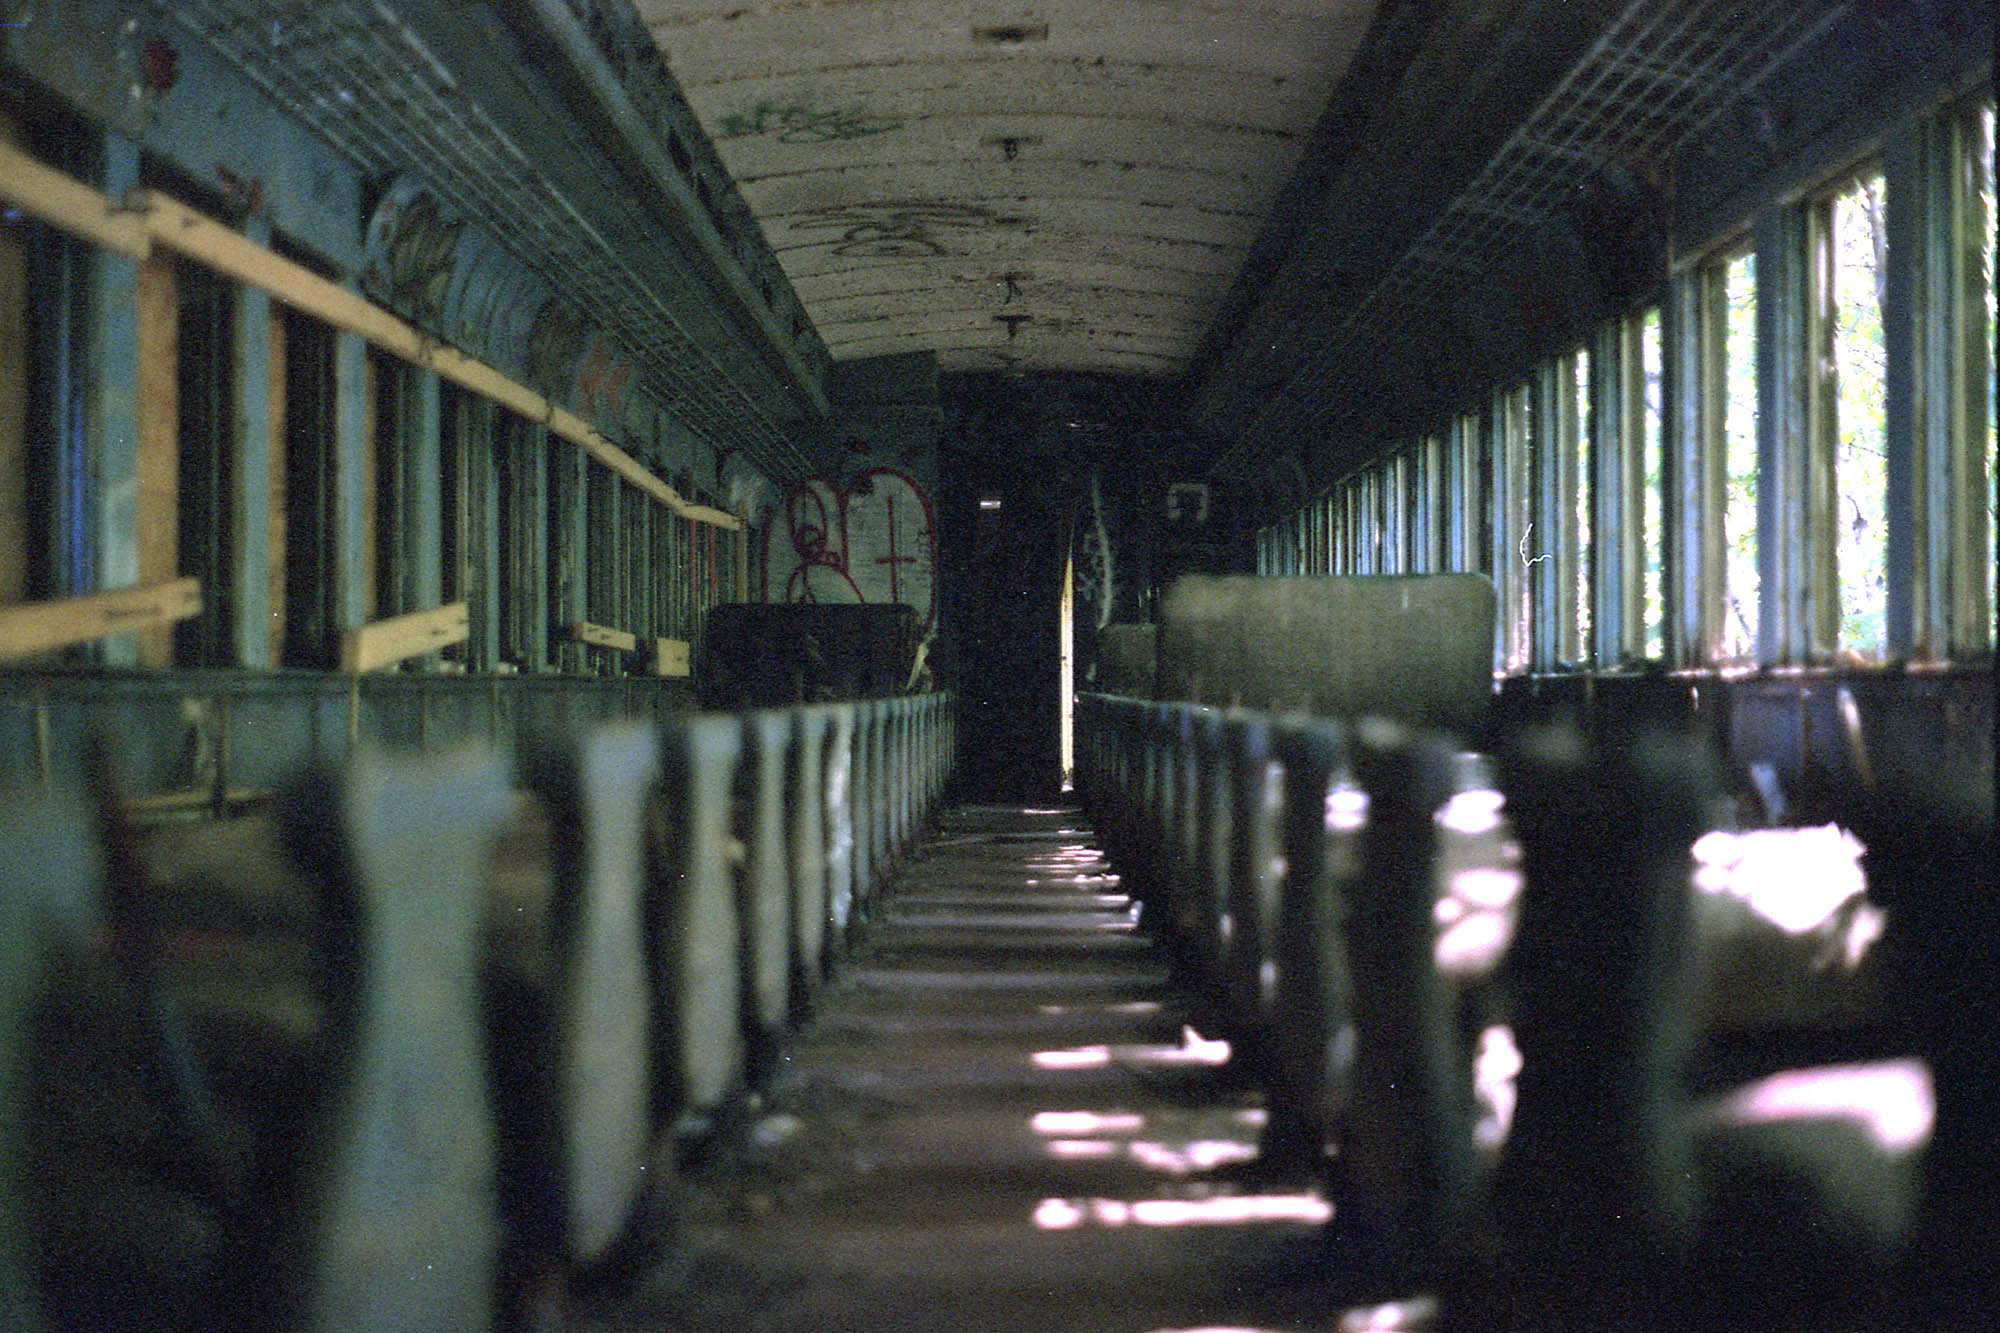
[(899, 228), (799, 121), (873, 540)]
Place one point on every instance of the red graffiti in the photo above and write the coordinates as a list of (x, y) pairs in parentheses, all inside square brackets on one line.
[(810, 548), (601, 382)]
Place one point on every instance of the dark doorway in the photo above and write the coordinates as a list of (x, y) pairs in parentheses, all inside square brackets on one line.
[(1004, 542)]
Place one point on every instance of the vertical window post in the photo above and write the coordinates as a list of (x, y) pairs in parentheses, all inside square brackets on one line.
[(422, 517), (1463, 499), (1552, 547), (1798, 602), (250, 471), (1508, 445), (1693, 373), (1617, 442), (1347, 515), (568, 538), (1436, 510), (1395, 513)]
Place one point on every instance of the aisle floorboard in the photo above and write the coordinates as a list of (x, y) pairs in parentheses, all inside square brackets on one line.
[(997, 1122)]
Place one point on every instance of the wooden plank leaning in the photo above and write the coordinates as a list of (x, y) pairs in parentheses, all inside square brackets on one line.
[(132, 227), (402, 637), (603, 636), (40, 627)]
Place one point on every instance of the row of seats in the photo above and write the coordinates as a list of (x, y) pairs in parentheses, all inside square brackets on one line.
[(1483, 1002), (420, 1042)]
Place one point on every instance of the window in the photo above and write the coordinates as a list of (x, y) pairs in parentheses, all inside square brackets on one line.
[(1738, 641), (206, 381), (1857, 236), (310, 612), (409, 536)]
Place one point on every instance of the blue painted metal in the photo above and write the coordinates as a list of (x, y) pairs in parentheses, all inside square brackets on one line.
[(569, 550), (1617, 493), (211, 122), (422, 519), (353, 599), (250, 475), (166, 724), (1553, 477), (1692, 376), (481, 506), (530, 543)]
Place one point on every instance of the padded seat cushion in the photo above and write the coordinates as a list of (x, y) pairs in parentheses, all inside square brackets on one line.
[(1417, 648)]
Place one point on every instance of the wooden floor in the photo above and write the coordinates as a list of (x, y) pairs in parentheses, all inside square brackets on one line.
[(998, 1121)]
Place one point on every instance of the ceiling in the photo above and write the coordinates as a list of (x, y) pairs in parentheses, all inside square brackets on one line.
[(1069, 188)]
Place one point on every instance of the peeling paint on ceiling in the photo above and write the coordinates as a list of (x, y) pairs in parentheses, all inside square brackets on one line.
[(1064, 189)]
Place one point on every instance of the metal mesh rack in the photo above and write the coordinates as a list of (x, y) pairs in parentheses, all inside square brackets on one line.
[(363, 81), (1658, 76)]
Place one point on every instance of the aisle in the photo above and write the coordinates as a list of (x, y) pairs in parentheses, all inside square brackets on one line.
[(998, 1122)]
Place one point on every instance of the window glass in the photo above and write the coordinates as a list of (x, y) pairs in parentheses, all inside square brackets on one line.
[(1859, 243)]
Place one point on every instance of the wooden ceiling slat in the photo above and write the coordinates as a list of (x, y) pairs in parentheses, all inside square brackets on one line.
[(1121, 161)]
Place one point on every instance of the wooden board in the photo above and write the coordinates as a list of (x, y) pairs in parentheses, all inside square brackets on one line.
[(401, 637), (228, 251), (149, 217), (603, 636), (14, 502), (158, 463), (39, 627), (670, 657), (63, 201)]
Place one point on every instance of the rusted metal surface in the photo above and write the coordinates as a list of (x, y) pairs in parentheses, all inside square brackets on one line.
[(1073, 191)]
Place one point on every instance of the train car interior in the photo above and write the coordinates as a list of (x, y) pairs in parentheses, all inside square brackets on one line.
[(1132, 666)]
